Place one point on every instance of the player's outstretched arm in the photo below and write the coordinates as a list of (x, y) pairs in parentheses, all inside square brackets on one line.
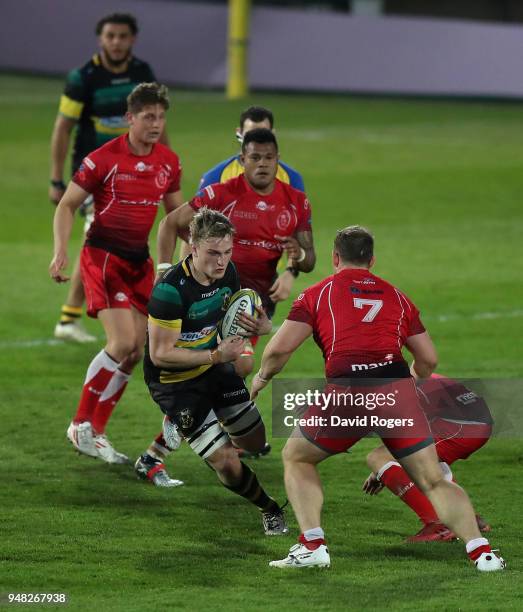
[(424, 352), (175, 224), (59, 146), (278, 351), (62, 225)]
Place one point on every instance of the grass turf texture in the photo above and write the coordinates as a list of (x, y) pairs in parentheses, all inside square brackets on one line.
[(439, 183)]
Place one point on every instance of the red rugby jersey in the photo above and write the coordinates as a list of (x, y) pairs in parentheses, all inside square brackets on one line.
[(360, 322), (451, 400), (257, 219), (127, 190)]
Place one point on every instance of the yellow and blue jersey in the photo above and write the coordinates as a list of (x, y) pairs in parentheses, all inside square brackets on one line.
[(231, 168)]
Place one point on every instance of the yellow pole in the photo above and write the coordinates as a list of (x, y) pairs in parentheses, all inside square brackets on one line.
[(237, 47)]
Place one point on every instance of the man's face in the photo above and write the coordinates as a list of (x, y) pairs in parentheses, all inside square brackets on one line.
[(212, 256), (260, 162), (147, 125), (116, 41)]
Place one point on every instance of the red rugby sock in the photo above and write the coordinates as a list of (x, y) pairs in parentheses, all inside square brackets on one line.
[(99, 374), (396, 479), (108, 400)]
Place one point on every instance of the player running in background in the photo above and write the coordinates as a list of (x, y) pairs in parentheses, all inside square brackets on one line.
[(361, 323), (95, 102), (128, 177), (270, 218), (461, 424), (192, 377)]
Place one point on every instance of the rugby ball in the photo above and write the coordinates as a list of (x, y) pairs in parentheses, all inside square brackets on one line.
[(243, 301)]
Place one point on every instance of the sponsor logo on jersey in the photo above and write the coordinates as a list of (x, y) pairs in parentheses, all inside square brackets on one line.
[(197, 335), (355, 290), (120, 297), (358, 367), (264, 244), (210, 293), (262, 205), (365, 281), (142, 167), (245, 214), (126, 177), (89, 163), (467, 398)]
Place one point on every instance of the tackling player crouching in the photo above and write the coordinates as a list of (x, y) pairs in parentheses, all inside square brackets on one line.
[(461, 423), (192, 377)]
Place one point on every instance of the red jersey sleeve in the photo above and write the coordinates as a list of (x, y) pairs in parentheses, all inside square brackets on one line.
[(89, 175), (304, 214), (301, 310), (174, 185), (207, 197)]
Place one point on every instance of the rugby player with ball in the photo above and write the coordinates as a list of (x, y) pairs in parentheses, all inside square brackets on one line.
[(270, 218), (191, 376)]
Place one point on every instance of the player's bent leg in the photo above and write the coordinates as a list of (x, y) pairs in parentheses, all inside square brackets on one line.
[(449, 500), (391, 475), (302, 481), (452, 506), (378, 457), (124, 333), (241, 480), (244, 425)]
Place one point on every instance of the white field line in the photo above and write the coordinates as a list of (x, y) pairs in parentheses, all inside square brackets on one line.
[(478, 316)]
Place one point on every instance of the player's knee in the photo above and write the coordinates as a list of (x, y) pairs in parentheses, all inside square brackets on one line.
[(289, 453), (135, 356), (244, 366)]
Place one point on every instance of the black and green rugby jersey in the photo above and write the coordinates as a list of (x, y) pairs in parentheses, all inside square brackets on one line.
[(179, 302), (97, 99)]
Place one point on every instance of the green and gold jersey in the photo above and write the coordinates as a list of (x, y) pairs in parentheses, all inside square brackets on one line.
[(97, 99), (179, 302)]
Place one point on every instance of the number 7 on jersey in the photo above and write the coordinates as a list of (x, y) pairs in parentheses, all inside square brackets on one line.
[(375, 307)]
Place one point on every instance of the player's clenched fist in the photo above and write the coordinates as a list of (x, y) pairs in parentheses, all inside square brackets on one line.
[(229, 350), (58, 263)]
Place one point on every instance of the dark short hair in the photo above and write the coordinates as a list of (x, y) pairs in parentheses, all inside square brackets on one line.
[(354, 244), (256, 114), (146, 94), (209, 223), (123, 18), (259, 135)]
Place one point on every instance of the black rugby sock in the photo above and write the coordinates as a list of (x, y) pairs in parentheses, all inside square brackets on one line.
[(250, 488)]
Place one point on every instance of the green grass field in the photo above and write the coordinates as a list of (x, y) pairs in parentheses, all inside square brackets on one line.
[(440, 184)]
